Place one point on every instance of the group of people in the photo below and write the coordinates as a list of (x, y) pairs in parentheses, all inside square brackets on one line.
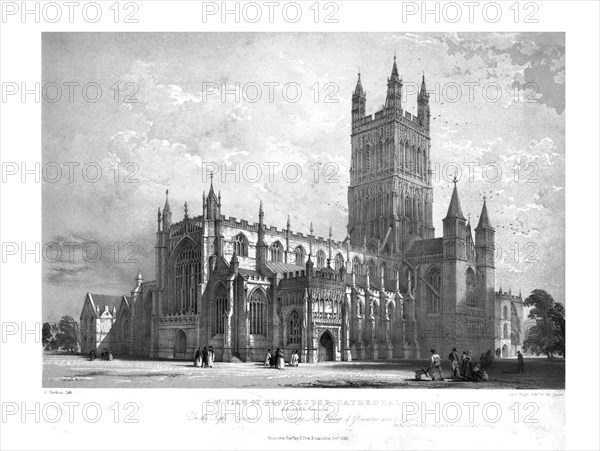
[(105, 355), (461, 368), (277, 360), (204, 358)]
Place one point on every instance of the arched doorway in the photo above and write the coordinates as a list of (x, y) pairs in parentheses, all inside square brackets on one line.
[(326, 347), (504, 351), (179, 351)]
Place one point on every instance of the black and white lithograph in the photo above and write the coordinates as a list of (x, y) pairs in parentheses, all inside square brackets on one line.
[(356, 209), (297, 238)]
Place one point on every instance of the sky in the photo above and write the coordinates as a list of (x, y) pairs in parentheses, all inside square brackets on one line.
[(156, 111)]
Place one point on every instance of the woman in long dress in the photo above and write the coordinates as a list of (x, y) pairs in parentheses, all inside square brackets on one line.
[(197, 358), (280, 359), (294, 361), (211, 356), (204, 358)]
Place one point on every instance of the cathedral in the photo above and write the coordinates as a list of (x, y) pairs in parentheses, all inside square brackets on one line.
[(389, 290)]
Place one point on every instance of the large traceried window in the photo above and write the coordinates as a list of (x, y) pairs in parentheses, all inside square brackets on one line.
[(339, 262), (320, 259), (188, 269), (258, 313), (240, 245), (505, 312), (299, 254), (220, 311), (294, 331), (276, 252), (470, 287), (433, 299), (505, 331)]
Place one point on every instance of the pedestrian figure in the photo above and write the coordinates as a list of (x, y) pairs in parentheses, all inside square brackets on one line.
[(520, 363), (467, 368), (454, 362), (294, 360), (93, 355), (197, 358), (268, 358), (280, 359), (104, 354), (204, 358), (482, 361), (109, 356), (436, 366), (211, 356)]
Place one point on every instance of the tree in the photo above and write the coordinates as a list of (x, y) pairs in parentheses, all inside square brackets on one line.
[(52, 345), (557, 316), (547, 336), (46, 334), (67, 337)]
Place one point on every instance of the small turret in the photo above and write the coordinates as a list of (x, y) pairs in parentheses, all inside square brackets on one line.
[(454, 229), (213, 203), (261, 246), (234, 263), (329, 245), (485, 239), (393, 99), (167, 213), (359, 101), (423, 112), (139, 279)]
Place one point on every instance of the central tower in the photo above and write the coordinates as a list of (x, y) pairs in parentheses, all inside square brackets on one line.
[(390, 194)]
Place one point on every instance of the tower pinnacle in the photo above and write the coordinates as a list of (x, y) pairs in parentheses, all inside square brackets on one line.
[(454, 209)]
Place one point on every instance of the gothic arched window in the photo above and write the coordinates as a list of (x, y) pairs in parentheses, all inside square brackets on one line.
[(356, 265), (368, 159), (407, 208), (220, 311), (294, 332), (505, 331), (371, 267), (240, 245), (276, 252), (299, 254), (258, 313), (381, 155), (320, 259), (433, 298), (470, 287), (505, 312), (339, 262), (188, 269)]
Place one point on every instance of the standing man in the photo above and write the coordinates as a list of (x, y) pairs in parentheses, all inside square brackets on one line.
[(453, 357), (520, 363), (436, 365)]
